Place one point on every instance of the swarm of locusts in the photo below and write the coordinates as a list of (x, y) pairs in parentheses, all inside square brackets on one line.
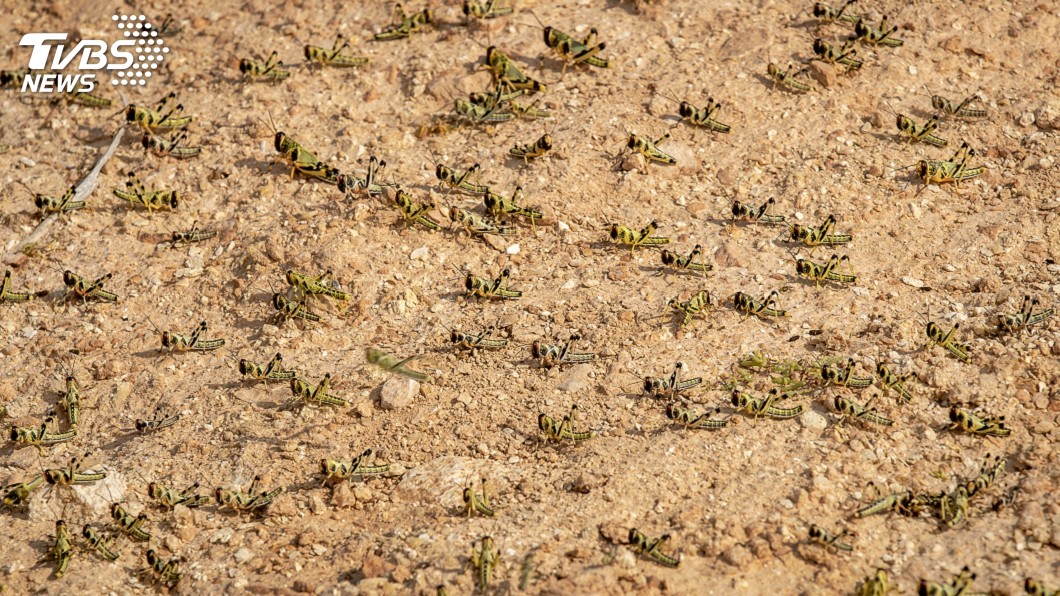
[(760, 394)]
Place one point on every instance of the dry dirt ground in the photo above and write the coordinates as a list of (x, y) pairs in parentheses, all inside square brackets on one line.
[(737, 502)]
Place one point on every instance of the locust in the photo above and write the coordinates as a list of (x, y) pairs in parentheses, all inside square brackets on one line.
[(99, 543), (507, 75), (741, 212), (321, 285), (301, 160), (702, 117), (574, 51), (532, 151), (959, 110), (701, 301), (833, 541), (486, 9), (843, 377), (175, 146), (464, 181), (993, 426), (40, 436), (270, 70), (475, 503), (63, 204), (551, 355), (844, 55), (956, 349), (164, 115), (319, 56), (273, 371), (128, 524), (677, 262), (808, 269), (72, 474), (491, 289), (788, 79), (476, 225), (554, 430), (289, 309), (688, 418), (483, 561), (402, 24), (193, 235), (822, 235), (482, 340), (850, 408), (959, 586), (954, 170), (1005, 323), (627, 236), (413, 212), (650, 149), (877, 36), (890, 380), (395, 365), (498, 205), (744, 402), (6, 295), (156, 424), (902, 502), (341, 470), (317, 395), (670, 388), (370, 184), (16, 495), (653, 549), (765, 308), (170, 497), (246, 501), (830, 15), (80, 286), (160, 570), (62, 549), (921, 133), (136, 194)]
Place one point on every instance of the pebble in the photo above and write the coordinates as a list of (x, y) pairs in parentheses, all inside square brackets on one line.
[(513, 249), (823, 73), (811, 419), (420, 254), (912, 281), (243, 555), (398, 392)]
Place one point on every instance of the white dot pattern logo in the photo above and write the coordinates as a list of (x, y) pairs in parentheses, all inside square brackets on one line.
[(150, 49)]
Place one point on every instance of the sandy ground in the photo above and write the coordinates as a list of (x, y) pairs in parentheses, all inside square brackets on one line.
[(737, 502)]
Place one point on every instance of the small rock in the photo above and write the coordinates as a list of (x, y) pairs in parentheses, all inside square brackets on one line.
[(727, 176), (811, 419), (562, 227), (823, 73), (633, 161), (513, 249), (737, 556), (398, 392), (123, 391), (576, 380), (342, 496), (319, 549), (316, 505), (420, 254), (222, 536), (243, 555), (274, 250), (912, 281), (496, 242), (375, 566), (731, 255)]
